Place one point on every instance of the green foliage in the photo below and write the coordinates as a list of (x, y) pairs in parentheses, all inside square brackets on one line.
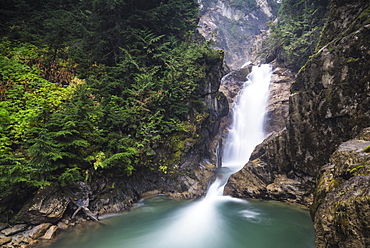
[(26, 99), (297, 30), (147, 99), (355, 169), (364, 17), (92, 88)]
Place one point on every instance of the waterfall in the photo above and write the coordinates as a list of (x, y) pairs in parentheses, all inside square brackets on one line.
[(247, 127), (217, 221)]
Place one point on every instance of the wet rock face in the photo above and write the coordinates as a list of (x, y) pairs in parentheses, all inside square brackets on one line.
[(203, 150), (258, 179), (341, 208), (231, 85), (278, 101)]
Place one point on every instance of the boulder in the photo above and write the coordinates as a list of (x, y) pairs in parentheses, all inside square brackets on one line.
[(39, 230), (51, 232), (14, 229), (47, 206), (62, 226), (5, 240)]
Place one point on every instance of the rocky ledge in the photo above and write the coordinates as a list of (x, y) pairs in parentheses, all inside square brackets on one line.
[(341, 208)]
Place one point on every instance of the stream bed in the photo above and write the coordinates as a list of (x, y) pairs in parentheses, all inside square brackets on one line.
[(219, 222)]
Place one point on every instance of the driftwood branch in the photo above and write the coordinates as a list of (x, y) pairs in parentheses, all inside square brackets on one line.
[(82, 204), (86, 211)]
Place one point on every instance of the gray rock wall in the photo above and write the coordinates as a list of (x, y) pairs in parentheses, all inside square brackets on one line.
[(237, 29)]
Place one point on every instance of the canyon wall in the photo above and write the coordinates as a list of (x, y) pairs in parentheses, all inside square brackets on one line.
[(328, 106)]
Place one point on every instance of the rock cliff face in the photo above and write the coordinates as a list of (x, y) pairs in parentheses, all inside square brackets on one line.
[(328, 105), (341, 209), (236, 27)]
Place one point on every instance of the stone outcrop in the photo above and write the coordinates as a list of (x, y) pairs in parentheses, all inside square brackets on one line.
[(278, 101), (341, 208), (5, 240), (48, 206), (14, 229), (51, 232), (328, 105), (39, 230)]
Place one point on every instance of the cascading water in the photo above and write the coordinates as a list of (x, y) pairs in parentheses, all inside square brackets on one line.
[(247, 127), (217, 221), (247, 130)]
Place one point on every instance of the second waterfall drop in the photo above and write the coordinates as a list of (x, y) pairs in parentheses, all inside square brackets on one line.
[(247, 129)]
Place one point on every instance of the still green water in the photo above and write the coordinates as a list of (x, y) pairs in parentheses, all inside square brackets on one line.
[(220, 222)]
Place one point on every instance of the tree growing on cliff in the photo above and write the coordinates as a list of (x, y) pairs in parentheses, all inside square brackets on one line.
[(296, 33)]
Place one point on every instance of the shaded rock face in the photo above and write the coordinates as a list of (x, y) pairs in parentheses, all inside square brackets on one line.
[(235, 29), (205, 150), (48, 205), (341, 208)]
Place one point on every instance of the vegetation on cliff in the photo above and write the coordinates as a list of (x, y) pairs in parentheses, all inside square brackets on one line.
[(297, 31), (94, 87)]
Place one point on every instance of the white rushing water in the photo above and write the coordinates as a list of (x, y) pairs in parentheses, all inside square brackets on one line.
[(247, 128)]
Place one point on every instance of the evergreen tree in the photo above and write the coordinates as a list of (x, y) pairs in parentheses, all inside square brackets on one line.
[(297, 30)]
